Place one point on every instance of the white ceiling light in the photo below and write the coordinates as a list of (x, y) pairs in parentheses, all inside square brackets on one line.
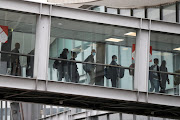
[(59, 23), (131, 34), (177, 49), (114, 40)]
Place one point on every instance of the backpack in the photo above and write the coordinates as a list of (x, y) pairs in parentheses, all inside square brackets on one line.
[(56, 64), (107, 73), (87, 67), (121, 72)]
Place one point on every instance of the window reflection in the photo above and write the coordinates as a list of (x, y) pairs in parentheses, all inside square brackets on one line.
[(165, 51), (94, 46), (153, 13), (17, 52), (139, 13), (169, 13)]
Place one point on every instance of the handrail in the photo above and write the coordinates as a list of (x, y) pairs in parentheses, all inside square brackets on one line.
[(20, 54), (169, 73), (60, 59)]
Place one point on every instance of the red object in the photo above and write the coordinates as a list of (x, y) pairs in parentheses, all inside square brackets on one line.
[(134, 49), (3, 33), (150, 56)]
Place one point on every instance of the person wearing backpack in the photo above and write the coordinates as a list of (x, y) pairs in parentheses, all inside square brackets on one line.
[(73, 69), (89, 68), (114, 71), (62, 66)]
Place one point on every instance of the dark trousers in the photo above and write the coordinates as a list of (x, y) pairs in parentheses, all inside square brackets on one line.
[(114, 81), (63, 73)]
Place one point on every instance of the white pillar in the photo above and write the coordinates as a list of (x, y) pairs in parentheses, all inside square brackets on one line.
[(41, 59), (142, 61)]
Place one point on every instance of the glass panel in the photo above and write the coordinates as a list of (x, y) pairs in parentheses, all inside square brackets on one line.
[(18, 50), (139, 13), (153, 13), (127, 116), (125, 12), (80, 52), (98, 9), (169, 13), (165, 60), (112, 10)]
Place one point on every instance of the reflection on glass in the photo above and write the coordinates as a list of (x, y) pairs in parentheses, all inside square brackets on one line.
[(125, 12), (98, 9), (20, 29), (112, 10), (153, 13), (139, 13), (80, 52), (165, 60), (169, 13)]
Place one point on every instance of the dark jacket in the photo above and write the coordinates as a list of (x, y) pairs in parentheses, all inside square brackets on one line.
[(63, 56), (114, 70), (15, 58), (90, 67), (73, 69), (163, 75)]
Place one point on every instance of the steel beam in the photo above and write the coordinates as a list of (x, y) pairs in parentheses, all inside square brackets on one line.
[(88, 91), (43, 27), (142, 63), (89, 16)]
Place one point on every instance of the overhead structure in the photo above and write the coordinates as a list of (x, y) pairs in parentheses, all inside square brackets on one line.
[(116, 3)]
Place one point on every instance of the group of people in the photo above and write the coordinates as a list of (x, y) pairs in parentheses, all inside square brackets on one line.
[(158, 79), (15, 62), (68, 69)]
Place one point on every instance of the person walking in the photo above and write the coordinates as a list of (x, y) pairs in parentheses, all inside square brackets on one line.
[(155, 76), (73, 69), (164, 76), (15, 61), (89, 68), (114, 71)]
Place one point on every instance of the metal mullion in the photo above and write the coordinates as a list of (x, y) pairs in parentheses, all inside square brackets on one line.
[(131, 12), (118, 11), (105, 9), (1, 110), (146, 13), (177, 12), (107, 48), (5, 110), (161, 12), (119, 60)]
